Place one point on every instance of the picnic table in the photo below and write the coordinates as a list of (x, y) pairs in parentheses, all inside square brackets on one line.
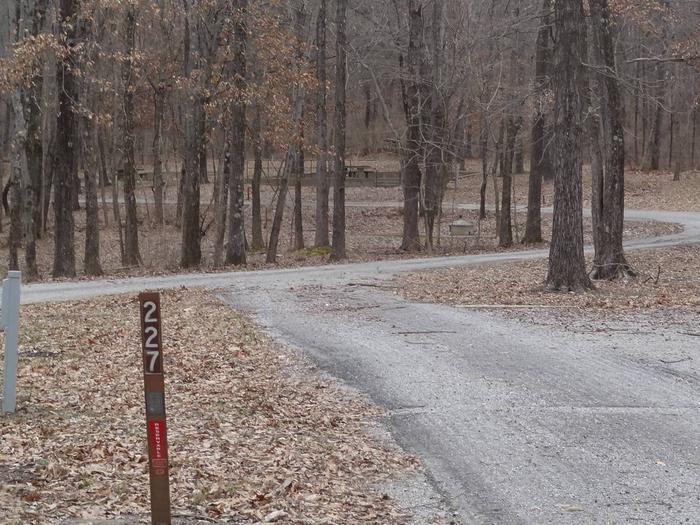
[(357, 171)]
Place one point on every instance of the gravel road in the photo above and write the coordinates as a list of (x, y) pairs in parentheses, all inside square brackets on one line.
[(515, 423)]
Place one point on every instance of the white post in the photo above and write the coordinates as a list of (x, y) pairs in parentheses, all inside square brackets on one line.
[(10, 322)]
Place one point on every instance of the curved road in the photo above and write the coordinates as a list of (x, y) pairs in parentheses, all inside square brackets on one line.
[(515, 423), (65, 291)]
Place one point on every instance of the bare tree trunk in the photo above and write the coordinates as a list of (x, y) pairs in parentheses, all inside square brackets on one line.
[(102, 174), (497, 161), (484, 169), (672, 134), (235, 251), (654, 147), (505, 229), (191, 252), (203, 140), (181, 181), (298, 150), (677, 151), (19, 176), (271, 257), (191, 248), (322, 186), (35, 139), (64, 153), (132, 257), (158, 182), (637, 89), (257, 243), (694, 138), (338, 249), (92, 214), (222, 206), (412, 151), (538, 156), (5, 147), (32, 182), (435, 171), (116, 209), (298, 210), (610, 262), (567, 265)]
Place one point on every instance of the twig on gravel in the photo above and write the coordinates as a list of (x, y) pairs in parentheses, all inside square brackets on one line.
[(676, 361), (487, 306), (420, 332)]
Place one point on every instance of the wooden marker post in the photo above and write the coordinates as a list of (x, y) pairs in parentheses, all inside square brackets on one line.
[(154, 387)]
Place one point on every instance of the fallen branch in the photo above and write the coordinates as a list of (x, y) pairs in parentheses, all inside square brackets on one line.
[(676, 361), (523, 306), (420, 332)]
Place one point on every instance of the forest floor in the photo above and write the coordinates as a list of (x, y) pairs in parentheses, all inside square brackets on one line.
[(255, 434), (373, 233), (667, 280)]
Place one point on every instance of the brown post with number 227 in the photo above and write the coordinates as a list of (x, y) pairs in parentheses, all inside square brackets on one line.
[(154, 386)]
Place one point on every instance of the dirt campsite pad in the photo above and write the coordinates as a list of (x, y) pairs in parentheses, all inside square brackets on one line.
[(254, 435)]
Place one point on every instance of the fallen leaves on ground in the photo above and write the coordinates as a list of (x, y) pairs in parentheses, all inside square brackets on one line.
[(666, 278), (254, 436)]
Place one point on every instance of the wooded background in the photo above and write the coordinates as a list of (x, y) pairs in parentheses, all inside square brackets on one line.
[(98, 97)]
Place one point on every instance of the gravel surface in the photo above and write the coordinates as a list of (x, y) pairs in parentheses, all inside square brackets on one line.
[(515, 424)]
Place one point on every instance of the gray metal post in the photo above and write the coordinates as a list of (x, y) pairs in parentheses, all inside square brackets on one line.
[(10, 322)]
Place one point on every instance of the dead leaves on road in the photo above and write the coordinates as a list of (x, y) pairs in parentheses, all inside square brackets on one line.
[(253, 436)]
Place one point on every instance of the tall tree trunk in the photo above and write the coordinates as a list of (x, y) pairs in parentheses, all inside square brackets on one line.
[(203, 141), (538, 157), (298, 96), (191, 248), (671, 137), (298, 160), (435, 171), (412, 151), (505, 227), (191, 251), (179, 203), (497, 162), (19, 178), (654, 147), (102, 174), (158, 181), (33, 176), (484, 168), (257, 242), (298, 211), (92, 213), (235, 251), (35, 138), (610, 262), (132, 257), (637, 94), (322, 186), (272, 246), (338, 249), (693, 135), (567, 265), (222, 206), (64, 153), (116, 208)]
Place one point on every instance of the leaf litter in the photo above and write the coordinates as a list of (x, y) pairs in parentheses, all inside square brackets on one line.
[(254, 435)]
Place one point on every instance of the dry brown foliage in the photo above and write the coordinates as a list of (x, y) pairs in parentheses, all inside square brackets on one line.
[(252, 432)]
